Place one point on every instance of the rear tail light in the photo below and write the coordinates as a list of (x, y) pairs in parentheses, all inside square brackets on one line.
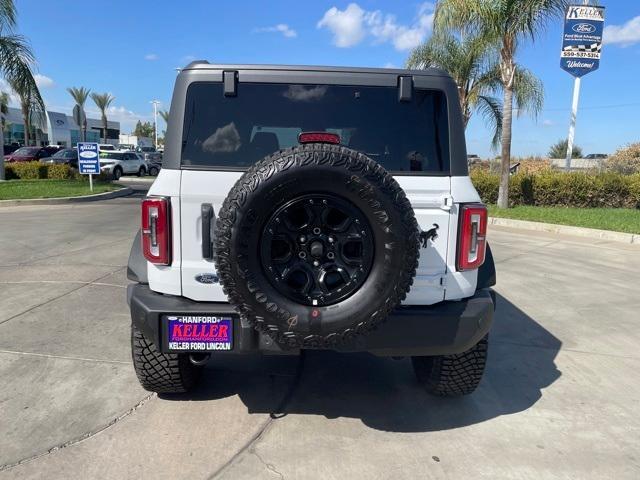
[(156, 230), (318, 137), (472, 239)]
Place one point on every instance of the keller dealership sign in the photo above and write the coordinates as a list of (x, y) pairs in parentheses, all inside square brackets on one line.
[(582, 39)]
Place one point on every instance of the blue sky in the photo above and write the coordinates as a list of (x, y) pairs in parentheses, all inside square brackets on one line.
[(131, 48)]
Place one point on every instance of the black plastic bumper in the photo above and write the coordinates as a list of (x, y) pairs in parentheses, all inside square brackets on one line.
[(445, 328)]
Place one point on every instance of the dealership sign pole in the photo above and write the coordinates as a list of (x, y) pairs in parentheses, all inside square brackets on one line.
[(581, 47)]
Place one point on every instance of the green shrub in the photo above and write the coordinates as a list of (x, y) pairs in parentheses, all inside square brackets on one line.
[(37, 170), (60, 172), (556, 188)]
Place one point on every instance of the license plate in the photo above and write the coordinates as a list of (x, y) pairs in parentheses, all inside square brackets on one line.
[(199, 333)]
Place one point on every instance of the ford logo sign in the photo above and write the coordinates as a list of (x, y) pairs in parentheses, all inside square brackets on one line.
[(207, 278), (583, 28), (88, 154)]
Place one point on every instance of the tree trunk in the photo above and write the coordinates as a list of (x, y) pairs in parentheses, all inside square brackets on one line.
[(505, 160), (27, 133), (104, 127)]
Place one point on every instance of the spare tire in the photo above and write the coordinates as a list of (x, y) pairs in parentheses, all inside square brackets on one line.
[(316, 244)]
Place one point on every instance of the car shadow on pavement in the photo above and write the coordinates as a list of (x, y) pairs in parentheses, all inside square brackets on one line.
[(383, 392)]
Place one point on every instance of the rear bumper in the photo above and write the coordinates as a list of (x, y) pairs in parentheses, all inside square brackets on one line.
[(442, 329)]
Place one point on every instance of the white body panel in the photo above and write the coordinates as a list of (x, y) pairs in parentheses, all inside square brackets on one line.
[(166, 278), (431, 198)]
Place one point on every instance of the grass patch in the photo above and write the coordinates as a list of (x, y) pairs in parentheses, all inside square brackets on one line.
[(22, 189), (615, 219)]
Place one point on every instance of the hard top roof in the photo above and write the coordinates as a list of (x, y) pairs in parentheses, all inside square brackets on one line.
[(205, 65)]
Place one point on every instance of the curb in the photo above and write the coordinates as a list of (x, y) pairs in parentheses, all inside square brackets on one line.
[(123, 192), (567, 230)]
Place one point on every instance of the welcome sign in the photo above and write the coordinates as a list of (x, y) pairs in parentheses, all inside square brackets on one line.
[(582, 39)]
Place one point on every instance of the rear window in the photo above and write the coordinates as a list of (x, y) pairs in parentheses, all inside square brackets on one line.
[(235, 132)]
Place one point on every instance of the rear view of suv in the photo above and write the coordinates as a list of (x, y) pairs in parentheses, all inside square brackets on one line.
[(312, 208)]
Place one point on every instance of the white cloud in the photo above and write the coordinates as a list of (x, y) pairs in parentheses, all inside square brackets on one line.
[(389, 65), (548, 123), (346, 25), (624, 35), (43, 81), (281, 28), (351, 25), (151, 56), (126, 117)]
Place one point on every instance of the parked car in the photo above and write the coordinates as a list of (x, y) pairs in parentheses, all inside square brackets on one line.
[(68, 156), (106, 147), (154, 166), (597, 156), (30, 154), (283, 225), (122, 163), (126, 147)]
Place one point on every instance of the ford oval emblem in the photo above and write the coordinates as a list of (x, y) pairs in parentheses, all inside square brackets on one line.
[(207, 278), (87, 154), (583, 28)]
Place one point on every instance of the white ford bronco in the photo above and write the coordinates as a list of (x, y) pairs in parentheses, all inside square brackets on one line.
[(312, 208)]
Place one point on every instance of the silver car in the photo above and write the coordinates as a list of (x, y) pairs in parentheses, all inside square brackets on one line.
[(122, 163)]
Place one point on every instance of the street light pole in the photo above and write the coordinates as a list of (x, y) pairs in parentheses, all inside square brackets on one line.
[(155, 122)]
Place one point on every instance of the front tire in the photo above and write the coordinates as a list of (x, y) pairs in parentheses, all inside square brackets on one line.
[(153, 171), (142, 172), (161, 372), (452, 375), (117, 173)]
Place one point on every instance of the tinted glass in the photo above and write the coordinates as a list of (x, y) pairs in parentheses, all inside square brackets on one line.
[(237, 131), (112, 155)]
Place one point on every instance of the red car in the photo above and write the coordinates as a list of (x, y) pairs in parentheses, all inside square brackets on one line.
[(30, 154)]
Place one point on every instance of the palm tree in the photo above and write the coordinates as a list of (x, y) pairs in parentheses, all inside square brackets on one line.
[(80, 97), (165, 115), (471, 61), (103, 101), (508, 22), (16, 60)]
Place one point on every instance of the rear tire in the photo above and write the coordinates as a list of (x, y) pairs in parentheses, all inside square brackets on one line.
[(142, 172), (153, 171), (117, 173), (161, 372), (452, 375)]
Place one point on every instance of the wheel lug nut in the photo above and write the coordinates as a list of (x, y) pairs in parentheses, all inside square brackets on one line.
[(331, 240), (330, 255), (316, 231), (302, 254), (316, 263), (303, 239)]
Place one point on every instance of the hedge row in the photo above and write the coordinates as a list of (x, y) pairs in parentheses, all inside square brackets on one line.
[(555, 188), (37, 170)]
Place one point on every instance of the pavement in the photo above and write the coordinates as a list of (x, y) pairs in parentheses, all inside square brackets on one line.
[(560, 399)]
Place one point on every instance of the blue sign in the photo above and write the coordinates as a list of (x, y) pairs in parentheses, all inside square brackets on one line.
[(88, 158), (582, 39)]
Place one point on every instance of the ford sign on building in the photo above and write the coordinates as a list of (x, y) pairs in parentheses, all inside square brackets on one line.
[(582, 39)]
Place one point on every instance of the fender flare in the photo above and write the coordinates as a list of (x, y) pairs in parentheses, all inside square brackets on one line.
[(487, 271), (137, 265)]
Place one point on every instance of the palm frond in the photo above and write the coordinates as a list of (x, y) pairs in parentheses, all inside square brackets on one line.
[(79, 94), (528, 92), (491, 110), (103, 101), (7, 15), (165, 115)]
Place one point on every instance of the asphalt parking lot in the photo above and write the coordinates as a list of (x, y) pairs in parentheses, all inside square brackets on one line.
[(561, 396)]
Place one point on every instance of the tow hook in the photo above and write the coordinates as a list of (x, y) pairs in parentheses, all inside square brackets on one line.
[(199, 359)]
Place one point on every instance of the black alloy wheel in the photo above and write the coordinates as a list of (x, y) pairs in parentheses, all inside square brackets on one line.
[(317, 249)]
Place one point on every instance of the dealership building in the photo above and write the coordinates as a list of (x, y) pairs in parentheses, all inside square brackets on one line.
[(59, 129)]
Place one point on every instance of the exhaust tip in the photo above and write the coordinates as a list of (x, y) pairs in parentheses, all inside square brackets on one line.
[(199, 359)]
